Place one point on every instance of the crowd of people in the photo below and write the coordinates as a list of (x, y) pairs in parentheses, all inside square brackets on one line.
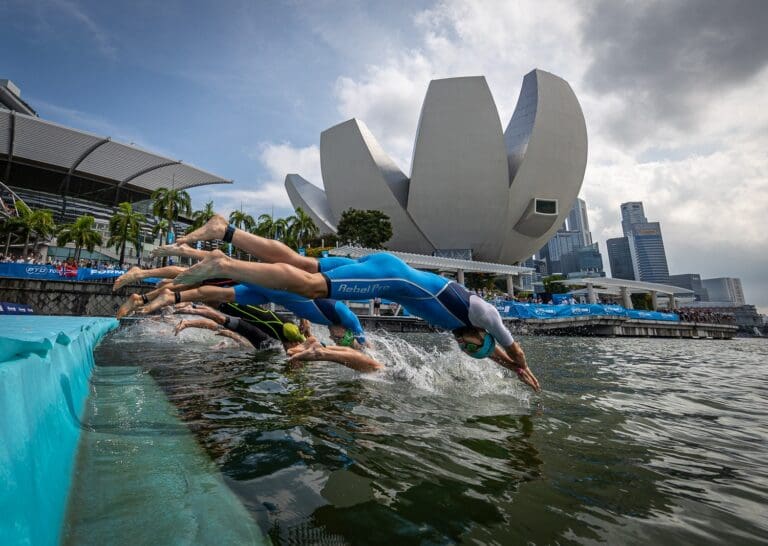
[(706, 315)]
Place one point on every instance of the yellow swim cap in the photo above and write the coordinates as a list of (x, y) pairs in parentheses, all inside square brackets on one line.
[(291, 332)]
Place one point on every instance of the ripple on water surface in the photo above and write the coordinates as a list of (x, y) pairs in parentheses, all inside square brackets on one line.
[(632, 440)]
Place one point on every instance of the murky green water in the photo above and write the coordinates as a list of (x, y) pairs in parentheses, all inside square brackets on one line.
[(633, 441)]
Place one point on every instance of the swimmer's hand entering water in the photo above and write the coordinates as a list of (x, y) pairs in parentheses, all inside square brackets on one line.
[(513, 358)]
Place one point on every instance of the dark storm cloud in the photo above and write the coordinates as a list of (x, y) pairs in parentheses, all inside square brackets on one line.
[(668, 59)]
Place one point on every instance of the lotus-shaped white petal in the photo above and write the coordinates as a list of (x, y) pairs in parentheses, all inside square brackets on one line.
[(502, 196)]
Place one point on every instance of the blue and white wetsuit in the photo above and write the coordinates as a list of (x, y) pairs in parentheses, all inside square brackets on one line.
[(435, 299), (323, 311)]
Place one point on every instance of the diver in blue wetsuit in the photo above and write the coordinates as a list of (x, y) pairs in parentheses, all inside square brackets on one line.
[(476, 325), (327, 312)]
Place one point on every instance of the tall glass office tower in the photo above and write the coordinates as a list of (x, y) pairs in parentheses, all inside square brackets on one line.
[(620, 258), (646, 245)]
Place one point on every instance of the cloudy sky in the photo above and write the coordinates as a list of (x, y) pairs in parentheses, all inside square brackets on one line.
[(675, 95)]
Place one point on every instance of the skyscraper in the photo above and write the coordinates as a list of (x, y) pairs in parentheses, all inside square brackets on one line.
[(632, 213), (561, 251), (620, 258), (646, 245), (725, 289), (578, 221)]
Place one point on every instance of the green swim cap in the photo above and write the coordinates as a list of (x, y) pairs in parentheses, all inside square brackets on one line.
[(347, 339), (291, 332)]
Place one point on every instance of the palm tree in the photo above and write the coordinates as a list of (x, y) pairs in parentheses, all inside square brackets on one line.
[(280, 228), (242, 220), (81, 233), (264, 226), (28, 223), (160, 229), (200, 217), (170, 204), (124, 228), (41, 224), (301, 227)]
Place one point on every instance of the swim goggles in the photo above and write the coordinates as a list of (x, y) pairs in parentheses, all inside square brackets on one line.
[(478, 351)]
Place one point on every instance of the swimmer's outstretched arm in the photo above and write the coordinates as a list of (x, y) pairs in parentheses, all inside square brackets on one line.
[(513, 358), (207, 324), (237, 337), (314, 351), (203, 311), (265, 249)]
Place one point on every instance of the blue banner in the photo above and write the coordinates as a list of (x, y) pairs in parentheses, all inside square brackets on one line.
[(53, 273), (37, 272), (512, 309), (90, 274)]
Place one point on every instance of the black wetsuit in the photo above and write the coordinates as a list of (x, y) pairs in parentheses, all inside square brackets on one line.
[(253, 317)]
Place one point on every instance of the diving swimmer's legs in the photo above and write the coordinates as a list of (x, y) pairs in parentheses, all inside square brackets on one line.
[(265, 249), (135, 274), (279, 276)]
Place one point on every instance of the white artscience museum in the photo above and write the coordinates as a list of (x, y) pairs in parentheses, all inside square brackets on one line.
[(474, 190)]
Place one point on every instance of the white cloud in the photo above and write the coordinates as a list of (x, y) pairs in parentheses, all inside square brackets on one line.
[(268, 195)]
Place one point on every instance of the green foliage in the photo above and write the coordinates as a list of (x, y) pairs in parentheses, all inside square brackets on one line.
[(317, 251), (241, 220), (366, 228), (170, 204), (200, 217), (29, 224), (555, 287), (82, 233), (642, 301), (124, 228), (301, 228)]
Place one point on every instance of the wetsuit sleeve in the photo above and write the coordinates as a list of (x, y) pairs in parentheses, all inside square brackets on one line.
[(255, 336), (350, 321), (332, 262), (484, 315)]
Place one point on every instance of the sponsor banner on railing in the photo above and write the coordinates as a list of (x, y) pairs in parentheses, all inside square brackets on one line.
[(90, 274), (538, 311), (56, 273), (32, 271)]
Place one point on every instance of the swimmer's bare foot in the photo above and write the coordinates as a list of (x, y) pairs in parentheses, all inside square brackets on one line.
[(130, 276), (209, 268), (166, 250), (213, 229), (130, 305), (166, 297)]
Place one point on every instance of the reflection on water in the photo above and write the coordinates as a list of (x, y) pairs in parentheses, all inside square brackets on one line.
[(632, 440)]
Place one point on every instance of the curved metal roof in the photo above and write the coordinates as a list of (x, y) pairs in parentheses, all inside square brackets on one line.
[(633, 286), (436, 262), (25, 138)]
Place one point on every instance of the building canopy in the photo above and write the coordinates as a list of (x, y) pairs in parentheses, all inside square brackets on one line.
[(28, 141), (633, 286)]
